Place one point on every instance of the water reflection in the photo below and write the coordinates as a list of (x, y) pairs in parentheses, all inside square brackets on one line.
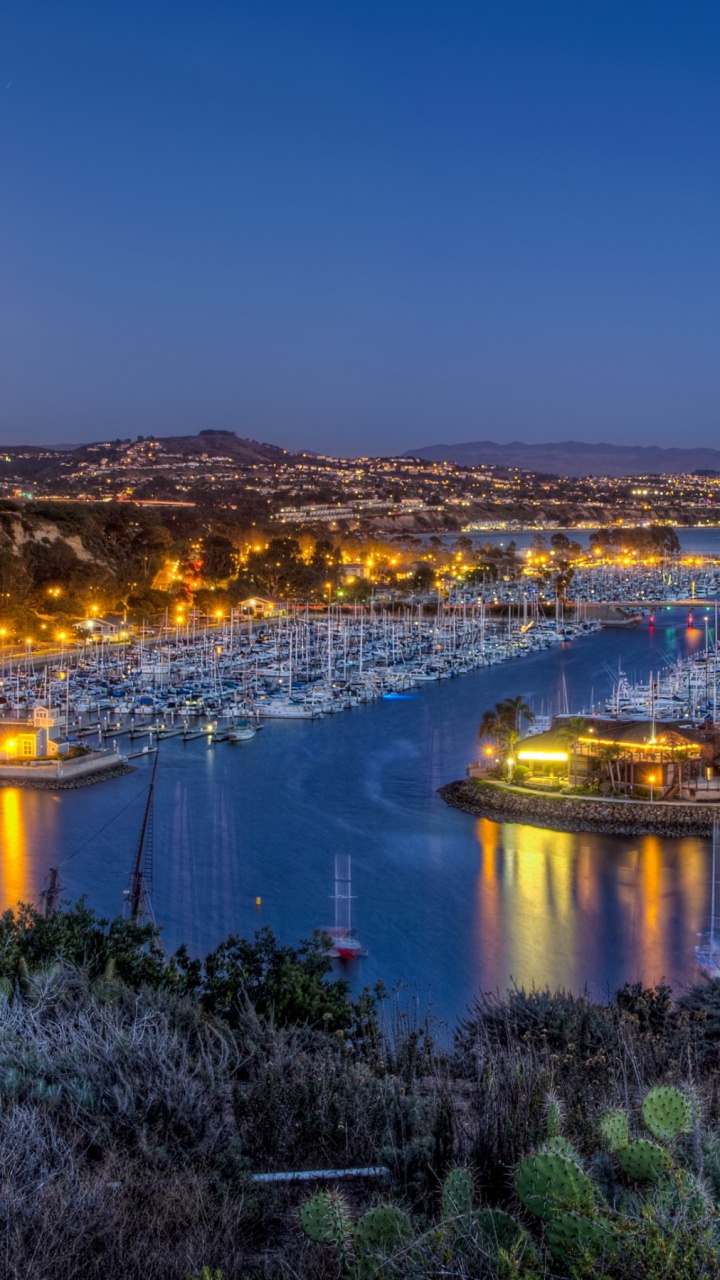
[(551, 905), (13, 851)]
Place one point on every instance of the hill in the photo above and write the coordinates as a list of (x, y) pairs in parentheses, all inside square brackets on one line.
[(573, 458)]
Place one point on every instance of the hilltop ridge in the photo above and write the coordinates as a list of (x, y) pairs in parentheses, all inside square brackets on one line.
[(574, 457)]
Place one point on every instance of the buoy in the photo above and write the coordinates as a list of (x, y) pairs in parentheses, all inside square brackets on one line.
[(258, 902)]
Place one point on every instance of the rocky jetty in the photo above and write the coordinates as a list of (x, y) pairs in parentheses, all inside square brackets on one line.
[(577, 813)]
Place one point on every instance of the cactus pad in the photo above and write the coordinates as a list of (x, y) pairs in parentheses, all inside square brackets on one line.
[(548, 1183), (382, 1229), (666, 1112), (6, 989), (570, 1234), (643, 1160), (681, 1193), (499, 1227), (325, 1218), (561, 1147), (457, 1193), (615, 1129), (554, 1116)]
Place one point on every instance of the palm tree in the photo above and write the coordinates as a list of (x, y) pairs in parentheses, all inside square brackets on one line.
[(502, 723), (491, 727), (513, 710), (571, 732), (608, 756)]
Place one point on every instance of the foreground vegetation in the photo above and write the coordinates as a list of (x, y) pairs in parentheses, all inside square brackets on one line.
[(140, 1093)]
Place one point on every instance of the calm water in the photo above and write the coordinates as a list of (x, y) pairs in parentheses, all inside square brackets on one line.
[(444, 902), (695, 542)]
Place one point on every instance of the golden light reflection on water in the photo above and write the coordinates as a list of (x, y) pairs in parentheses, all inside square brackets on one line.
[(567, 909), (13, 852)]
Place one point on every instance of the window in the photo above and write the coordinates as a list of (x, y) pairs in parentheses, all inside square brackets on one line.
[(27, 747)]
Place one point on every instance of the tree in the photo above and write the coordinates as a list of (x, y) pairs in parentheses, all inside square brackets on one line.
[(491, 725), (571, 732), (423, 577), (515, 710), (502, 723), (218, 558), (608, 756), (276, 570), (50, 562)]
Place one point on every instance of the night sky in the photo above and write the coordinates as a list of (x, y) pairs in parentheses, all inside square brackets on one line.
[(360, 226)]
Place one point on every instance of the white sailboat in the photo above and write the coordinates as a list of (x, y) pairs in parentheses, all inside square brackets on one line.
[(345, 943), (707, 954)]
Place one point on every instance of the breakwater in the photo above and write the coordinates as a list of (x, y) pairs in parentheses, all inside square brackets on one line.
[(32, 781), (574, 814)]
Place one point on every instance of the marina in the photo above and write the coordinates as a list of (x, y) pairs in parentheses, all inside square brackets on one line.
[(221, 684), (445, 903)]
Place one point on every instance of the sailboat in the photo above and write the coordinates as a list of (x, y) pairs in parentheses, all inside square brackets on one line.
[(345, 943), (137, 895), (707, 954)]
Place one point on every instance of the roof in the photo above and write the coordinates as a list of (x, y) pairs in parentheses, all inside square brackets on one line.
[(630, 734), (17, 727)]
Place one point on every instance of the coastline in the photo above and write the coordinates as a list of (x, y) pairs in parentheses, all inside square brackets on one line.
[(614, 817)]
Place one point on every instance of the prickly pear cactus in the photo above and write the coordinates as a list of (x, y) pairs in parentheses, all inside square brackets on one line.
[(6, 989), (554, 1116), (548, 1184), (570, 1234), (500, 1228), (562, 1147), (681, 1192), (666, 1112), (457, 1193), (615, 1129), (643, 1160), (325, 1218), (382, 1230)]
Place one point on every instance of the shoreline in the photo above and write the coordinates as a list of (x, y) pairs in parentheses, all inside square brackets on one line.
[(31, 782), (613, 817)]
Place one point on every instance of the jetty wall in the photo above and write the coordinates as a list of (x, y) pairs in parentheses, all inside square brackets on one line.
[(65, 774), (501, 803)]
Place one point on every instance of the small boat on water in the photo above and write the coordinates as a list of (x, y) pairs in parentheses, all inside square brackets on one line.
[(707, 954), (243, 731), (345, 943)]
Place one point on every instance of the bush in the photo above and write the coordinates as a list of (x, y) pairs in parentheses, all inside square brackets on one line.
[(139, 1093)]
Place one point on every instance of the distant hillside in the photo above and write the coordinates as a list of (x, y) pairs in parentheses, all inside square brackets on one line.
[(571, 458), (215, 444)]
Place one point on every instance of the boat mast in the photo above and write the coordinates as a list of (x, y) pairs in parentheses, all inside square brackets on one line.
[(343, 892), (712, 892), (138, 894), (51, 894)]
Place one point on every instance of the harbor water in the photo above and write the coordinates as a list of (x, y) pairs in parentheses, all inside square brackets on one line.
[(445, 903)]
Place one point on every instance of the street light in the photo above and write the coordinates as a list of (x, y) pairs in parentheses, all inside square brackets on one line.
[(652, 787)]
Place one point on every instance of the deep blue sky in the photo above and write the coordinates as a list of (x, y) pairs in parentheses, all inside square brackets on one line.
[(362, 225)]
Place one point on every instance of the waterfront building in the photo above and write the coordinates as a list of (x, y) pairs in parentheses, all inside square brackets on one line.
[(666, 757), (108, 626), (36, 739)]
